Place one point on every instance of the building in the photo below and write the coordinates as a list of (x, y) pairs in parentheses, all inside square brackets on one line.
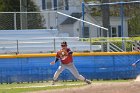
[(71, 27)]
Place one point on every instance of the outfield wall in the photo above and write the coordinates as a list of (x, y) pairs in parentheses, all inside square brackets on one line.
[(97, 65)]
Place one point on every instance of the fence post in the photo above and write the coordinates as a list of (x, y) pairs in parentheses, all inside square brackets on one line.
[(15, 22), (90, 45), (54, 45), (132, 46), (102, 45), (108, 45), (124, 44), (17, 48), (105, 45)]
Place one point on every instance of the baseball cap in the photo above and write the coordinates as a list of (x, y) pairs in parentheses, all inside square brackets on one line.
[(64, 43)]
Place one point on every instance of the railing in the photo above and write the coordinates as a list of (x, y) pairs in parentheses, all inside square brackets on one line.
[(52, 44), (115, 48), (110, 44)]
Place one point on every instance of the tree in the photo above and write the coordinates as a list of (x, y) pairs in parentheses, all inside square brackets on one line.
[(34, 21), (130, 10), (134, 20), (9, 5)]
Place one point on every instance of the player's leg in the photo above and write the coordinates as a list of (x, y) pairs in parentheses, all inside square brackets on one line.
[(57, 73), (76, 74)]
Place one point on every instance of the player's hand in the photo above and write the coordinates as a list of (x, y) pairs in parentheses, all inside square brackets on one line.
[(52, 63), (134, 65)]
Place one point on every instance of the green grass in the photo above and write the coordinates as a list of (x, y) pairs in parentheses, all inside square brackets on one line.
[(20, 90), (27, 87)]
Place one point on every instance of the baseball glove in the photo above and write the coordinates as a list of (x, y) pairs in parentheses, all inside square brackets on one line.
[(63, 54)]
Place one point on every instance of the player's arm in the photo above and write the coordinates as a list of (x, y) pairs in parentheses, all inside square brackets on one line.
[(56, 60), (70, 52)]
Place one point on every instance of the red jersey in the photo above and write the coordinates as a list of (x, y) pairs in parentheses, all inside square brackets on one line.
[(65, 58)]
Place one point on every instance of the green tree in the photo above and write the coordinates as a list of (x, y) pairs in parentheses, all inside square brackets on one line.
[(134, 20), (9, 5), (34, 20), (130, 10)]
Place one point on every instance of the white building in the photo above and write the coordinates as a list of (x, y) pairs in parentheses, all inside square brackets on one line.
[(72, 27)]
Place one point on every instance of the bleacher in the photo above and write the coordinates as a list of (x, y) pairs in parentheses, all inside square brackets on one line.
[(39, 41)]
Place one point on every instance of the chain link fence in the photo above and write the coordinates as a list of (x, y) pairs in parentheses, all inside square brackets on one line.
[(27, 20)]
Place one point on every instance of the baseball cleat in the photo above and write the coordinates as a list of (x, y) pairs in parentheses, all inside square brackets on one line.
[(53, 82), (88, 81)]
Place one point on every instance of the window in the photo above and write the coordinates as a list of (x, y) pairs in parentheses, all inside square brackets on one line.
[(49, 4), (119, 31), (55, 4), (86, 32), (43, 4), (114, 32), (63, 4), (66, 4), (99, 32), (60, 4)]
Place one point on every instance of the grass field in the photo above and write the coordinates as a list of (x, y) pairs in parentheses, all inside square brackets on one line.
[(30, 87)]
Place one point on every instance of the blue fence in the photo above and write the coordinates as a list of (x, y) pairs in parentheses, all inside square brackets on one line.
[(92, 67)]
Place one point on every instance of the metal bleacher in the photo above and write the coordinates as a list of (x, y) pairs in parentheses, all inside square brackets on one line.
[(39, 41)]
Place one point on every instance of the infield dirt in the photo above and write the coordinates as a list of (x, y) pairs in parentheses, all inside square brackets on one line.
[(108, 87)]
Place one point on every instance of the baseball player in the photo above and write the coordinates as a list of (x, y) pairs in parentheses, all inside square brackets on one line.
[(65, 56), (134, 64)]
